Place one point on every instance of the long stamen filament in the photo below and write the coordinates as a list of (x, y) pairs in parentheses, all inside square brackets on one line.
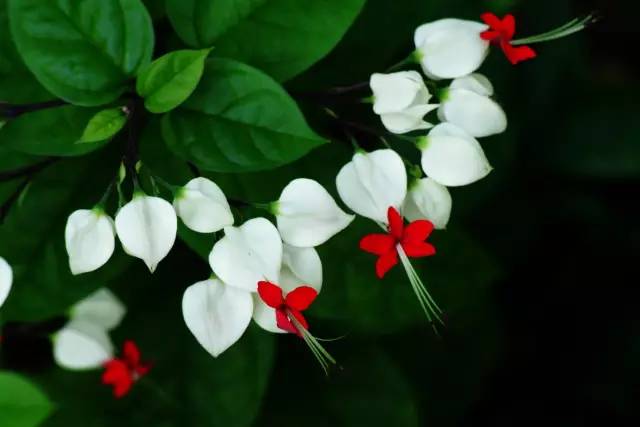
[(565, 30), (324, 358), (428, 304)]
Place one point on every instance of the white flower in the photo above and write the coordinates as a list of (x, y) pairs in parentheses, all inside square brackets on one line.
[(6, 280), (216, 314), (90, 240), (101, 308), (82, 345), (300, 267), (401, 100), (467, 104), (202, 206), (451, 48), (147, 228), (248, 254), (428, 200), (307, 215), (452, 157), (373, 182)]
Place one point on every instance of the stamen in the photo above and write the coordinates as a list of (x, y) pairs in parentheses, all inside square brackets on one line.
[(565, 30), (322, 356), (428, 304)]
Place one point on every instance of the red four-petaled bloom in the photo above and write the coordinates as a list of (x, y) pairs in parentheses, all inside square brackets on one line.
[(501, 32), (411, 238), (122, 372), (293, 304)]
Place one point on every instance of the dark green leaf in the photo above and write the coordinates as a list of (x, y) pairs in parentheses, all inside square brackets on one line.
[(238, 120), (169, 80), (281, 37), (51, 132), (104, 125), (17, 84), (83, 51), (22, 404)]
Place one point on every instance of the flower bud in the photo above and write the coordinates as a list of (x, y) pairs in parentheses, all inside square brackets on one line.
[(428, 200), (147, 228), (307, 215), (202, 206), (101, 308), (82, 345), (90, 240)]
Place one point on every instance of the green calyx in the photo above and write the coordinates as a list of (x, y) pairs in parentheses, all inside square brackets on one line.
[(422, 143)]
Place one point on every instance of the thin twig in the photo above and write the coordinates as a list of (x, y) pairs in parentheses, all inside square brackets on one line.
[(11, 111), (26, 170)]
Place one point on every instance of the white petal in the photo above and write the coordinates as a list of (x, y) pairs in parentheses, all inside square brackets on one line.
[(372, 182), (82, 345), (6, 280), (451, 48), (477, 115), (408, 120), (101, 308), (453, 158), (265, 316), (307, 214), (428, 200), (397, 91), (203, 207), (147, 228), (90, 240), (300, 267), (248, 254), (475, 82), (216, 314)]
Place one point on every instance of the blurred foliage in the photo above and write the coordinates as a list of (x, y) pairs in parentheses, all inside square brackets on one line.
[(535, 270)]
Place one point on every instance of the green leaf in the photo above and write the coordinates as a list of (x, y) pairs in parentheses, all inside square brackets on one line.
[(85, 51), (238, 120), (169, 80), (17, 84), (22, 404), (281, 37), (50, 132), (32, 237), (104, 125)]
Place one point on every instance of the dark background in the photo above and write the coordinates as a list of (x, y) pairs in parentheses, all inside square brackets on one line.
[(543, 325)]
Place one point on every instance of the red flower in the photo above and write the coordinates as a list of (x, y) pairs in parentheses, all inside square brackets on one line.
[(411, 238), (293, 304), (122, 373), (501, 32)]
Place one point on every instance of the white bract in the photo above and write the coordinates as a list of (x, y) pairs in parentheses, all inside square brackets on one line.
[(202, 206), (307, 215), (300, 267), (467, 104), (102, 308), (372, 182), (451, 48), (401, 100), (428, 200), (216, 314), (248, 254), (90, 240), (452, 157), (147, 228), (82, 345), (6, 280)]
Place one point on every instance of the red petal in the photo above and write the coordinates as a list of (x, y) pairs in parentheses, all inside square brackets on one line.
[(508, 27), (386, 262), (377, 244), (300, 318), (284, 323), (396, 223), (418, 231), (517, 54), (142, 370), (271, 294), (418, 249), (131, 353), (491, 20), (490, 35), (115, 371), (122, 388), (301, 297)]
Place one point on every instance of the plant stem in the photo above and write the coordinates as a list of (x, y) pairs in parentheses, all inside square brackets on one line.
[(11, 111), (27, 170)]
